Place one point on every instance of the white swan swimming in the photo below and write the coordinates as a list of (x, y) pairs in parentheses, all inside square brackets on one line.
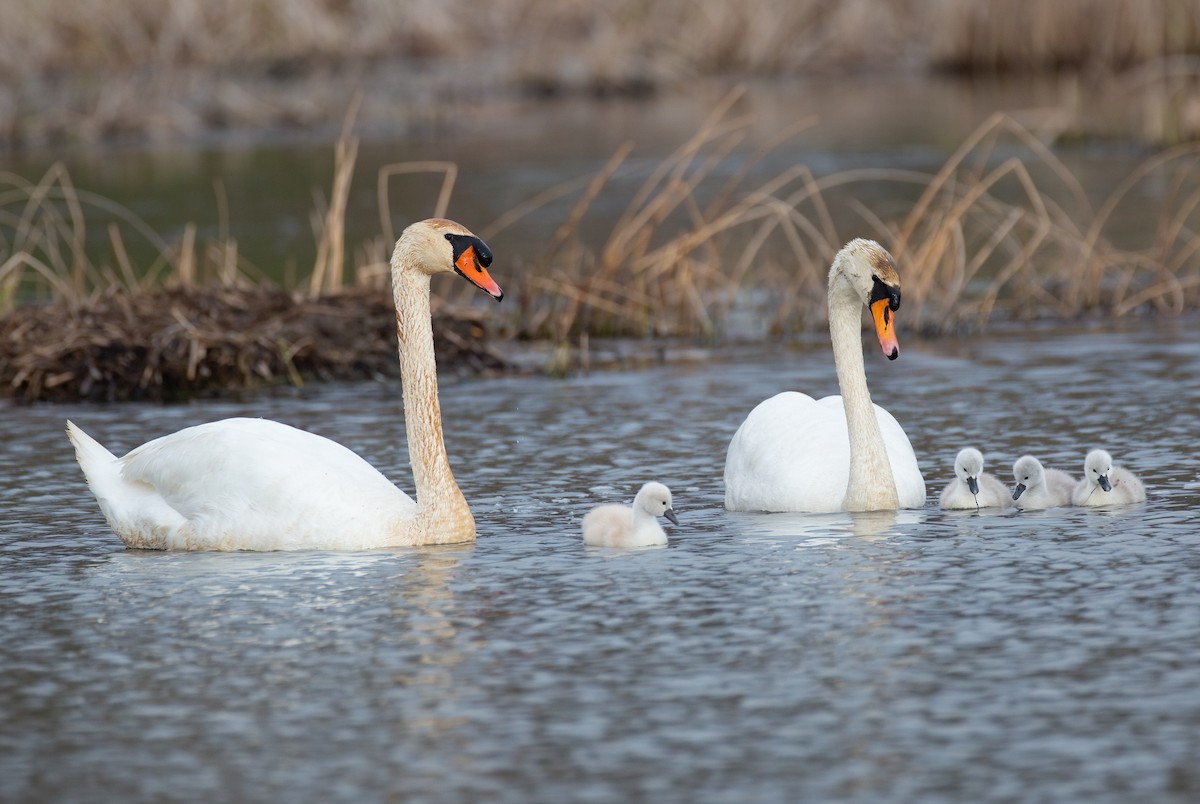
[(1037, 487), (972, 487), (839, 453), (255, 484), (622, 526), (1105, 484)]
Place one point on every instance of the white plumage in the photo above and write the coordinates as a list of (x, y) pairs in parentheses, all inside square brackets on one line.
[(972, 488), (242, 484), (255, 484), (637, 526), (1037, 487), (793, 454), (1105, 484), (839, 453)]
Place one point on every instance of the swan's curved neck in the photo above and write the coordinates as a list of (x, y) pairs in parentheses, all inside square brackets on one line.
[(872, 486), (440, 504)]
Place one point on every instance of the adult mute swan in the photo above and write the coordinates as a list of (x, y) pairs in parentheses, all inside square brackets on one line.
[(1038, 487), (621, 526), (839, 453), (255, 484), (1105, 484), (972, 487)]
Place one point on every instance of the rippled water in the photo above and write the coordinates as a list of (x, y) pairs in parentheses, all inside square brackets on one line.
[(921, 656)]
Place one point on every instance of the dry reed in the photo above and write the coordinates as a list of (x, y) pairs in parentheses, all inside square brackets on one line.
[(988, 238), (1003, 231)]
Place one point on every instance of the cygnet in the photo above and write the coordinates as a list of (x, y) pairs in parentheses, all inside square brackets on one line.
[(972, 487), (622, 526), (1038, 487), (1105, 484)]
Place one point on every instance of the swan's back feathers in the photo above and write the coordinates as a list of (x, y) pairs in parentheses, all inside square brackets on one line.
[(250, 484), (288, 465), (1060, 483), (792, 453), (608, 526)]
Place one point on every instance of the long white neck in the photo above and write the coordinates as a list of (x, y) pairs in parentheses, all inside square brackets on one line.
[(872, 486), (441, 507)]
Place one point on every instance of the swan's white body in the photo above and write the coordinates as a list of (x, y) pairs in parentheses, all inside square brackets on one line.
[(198, 489), (1123, 486), (1037, 487), (989, 491), (255, 484), (793, 454), (623, 526), (839, 453)]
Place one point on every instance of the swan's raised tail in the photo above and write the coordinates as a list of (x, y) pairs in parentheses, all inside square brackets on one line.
[(99, 466)]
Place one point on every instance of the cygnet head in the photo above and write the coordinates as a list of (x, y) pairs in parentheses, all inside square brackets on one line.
[(437, 246), (655, 499), (1027, 471), (968, 466), (1097, 466), (871, 272)]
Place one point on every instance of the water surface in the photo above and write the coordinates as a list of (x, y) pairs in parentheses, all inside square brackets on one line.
[(919, 656)]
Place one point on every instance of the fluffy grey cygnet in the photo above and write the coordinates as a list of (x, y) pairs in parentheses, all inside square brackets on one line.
[(973, 488), (1037, 487), (622, 526), (1105, 484)]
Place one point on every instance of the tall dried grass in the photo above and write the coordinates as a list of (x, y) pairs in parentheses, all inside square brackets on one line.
[(990, 236), (1002, 231), (47, 250)]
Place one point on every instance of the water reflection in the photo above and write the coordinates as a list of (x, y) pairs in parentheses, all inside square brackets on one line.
[(817, 529)]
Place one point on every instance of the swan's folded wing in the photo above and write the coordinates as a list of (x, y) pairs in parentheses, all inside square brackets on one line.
[(910, 483), (238, 467), (791, 454)]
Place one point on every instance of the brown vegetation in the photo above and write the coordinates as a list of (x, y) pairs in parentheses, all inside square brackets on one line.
[(988, 238), (175, 343), (1036, 36), (95, 69), (1002, 231)]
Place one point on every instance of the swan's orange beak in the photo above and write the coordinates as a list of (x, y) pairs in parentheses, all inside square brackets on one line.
[(885, 327), (470, 264)]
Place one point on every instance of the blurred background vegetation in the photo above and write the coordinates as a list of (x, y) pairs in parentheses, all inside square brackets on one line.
[(113, 69)]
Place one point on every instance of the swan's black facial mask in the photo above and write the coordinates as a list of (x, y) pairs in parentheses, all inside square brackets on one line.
[(471, 258), (882, 291), (885, 300)]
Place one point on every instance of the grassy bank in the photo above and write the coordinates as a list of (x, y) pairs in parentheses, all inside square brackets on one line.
[(1002, 231), (101, 70)]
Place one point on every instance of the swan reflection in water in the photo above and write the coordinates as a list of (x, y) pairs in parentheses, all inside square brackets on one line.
[(821, 529)]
